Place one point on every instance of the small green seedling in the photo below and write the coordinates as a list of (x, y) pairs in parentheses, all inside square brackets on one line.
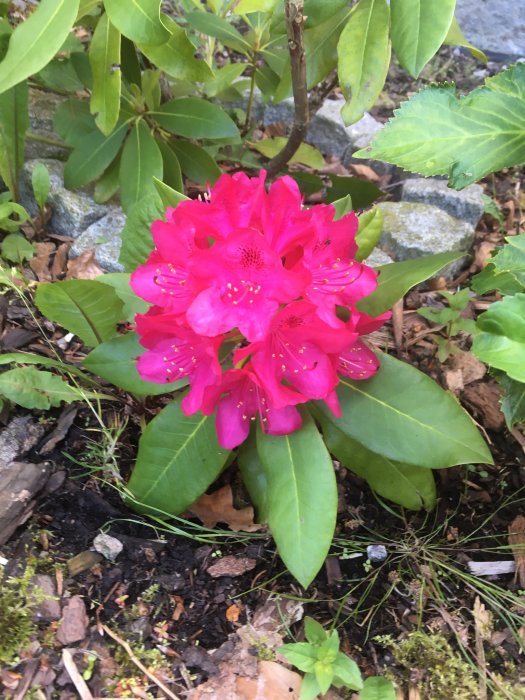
[(450, 317), (41, 184)]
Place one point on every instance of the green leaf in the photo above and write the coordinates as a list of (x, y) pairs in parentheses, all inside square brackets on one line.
[(364, 57), (104, 58), (363, 193), (418, 29), (73, 122), (139, 20), (302, 497), (86, 7), (404, 415), (115, 361), (34, 388), (308, 182), (35, 41), (108, 183), (40, 183), (130, 64), (212, 25), (223, 78), (92, 156), (246, 6), (176, 57), (132, 303), (25, 358), (196, 163), (137, 242), (512, 401), (195, 118), (16, 248), (309, 687), (300, 654), (490, 279), (377, 688), (178, 458), (437, 133), (141, 161), (314, 632), (61, 75), (369, 232), (455, 37), (254, 478), (501, 341), (169, 196), (172, 174), (305, 154), (396, 279), (324, 675), (7, 210), (14, 122), (88, 309), (511, 258), (342, 206), (410, 486), (347, 671)]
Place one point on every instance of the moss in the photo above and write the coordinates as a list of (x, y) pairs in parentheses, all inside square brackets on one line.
[(429, 662), (17, 626)]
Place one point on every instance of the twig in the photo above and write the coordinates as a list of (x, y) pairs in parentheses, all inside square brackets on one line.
[(138, 663), (321, 91), (77, 680), (294, 10)]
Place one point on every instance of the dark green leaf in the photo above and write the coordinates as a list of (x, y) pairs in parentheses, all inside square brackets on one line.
[(308, 182), (14, 122), (141, 161), (86, 308), (129, 61), (40, 183), (213, 25), (363, 193), (34, 388), (302, 497), (132, 303), (108, 183), (92, 156), (36, 40), (254, 478), (179, 457), (512, 401), (171, 167), (73, 122), (104, 57), (139, 20), (397, 278), (196, 163), (60, 75), (196, 118), (137, 242), (404, 415)]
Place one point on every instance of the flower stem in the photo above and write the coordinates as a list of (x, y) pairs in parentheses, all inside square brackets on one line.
[(249, 106)]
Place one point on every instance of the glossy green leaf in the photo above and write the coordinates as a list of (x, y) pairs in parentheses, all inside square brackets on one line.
[(104, 57), (377, 688), (302, 497), (88, 309), (92, 156), (512, 401), (132, 303), (213, 25), (178, 458), (455, 37), (14, 122), (16, 248), (137, 242), (129, 61), (33, 388), (396, 279), (196, 118), (308, 182), (410, 486), (342, 207), (169, 196), (176, 56), (437, 133), (369, 232), (139, 20), (254, 478), (36, 40), (404, 415), (363, 193), (73, 121), (223, 78), (108, 183), (305, 154), (501, 341), (364, 57), (115, 361), (40, 183), (60, 75), (418, 29), (141, 161), (196, 163), (172, 174)]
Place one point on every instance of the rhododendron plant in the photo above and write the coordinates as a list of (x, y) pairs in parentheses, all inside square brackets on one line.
[(272, 282)]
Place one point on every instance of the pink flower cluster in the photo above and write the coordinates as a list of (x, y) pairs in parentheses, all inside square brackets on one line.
[(255, 269)]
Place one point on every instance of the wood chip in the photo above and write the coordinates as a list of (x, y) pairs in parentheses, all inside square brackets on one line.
[(83, 562), (517, 545), (231, 566), (491, 568)]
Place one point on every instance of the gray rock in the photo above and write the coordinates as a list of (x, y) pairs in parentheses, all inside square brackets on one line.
[(377, 258), (42, 106), (281, 112), (411, 230), (48, 609), (376, 553), (466, 204), (363, 131), (104, 238), (498, 27), (258, 105), (20, 436), (72, 212), (108, 546)]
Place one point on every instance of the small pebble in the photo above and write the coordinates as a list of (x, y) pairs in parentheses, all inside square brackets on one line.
[(376, 553), (108, 546)]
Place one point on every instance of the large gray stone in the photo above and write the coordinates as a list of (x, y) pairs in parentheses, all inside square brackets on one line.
[(282, 112), (377, 258), (104, 238), (72, 212), (411, 230), (466, 204), (42, 106), (498, 27)]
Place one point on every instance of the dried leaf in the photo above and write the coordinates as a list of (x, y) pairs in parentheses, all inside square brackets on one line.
[(179, 607), (59, 266), (231, 566), (365, 171), (517, 545), (233, 613), (482, 620), (40, 264), (218, 508), (84, 267)]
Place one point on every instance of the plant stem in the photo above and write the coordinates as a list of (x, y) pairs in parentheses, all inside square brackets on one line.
[(249, 106), (31, 136), (294, 11)]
